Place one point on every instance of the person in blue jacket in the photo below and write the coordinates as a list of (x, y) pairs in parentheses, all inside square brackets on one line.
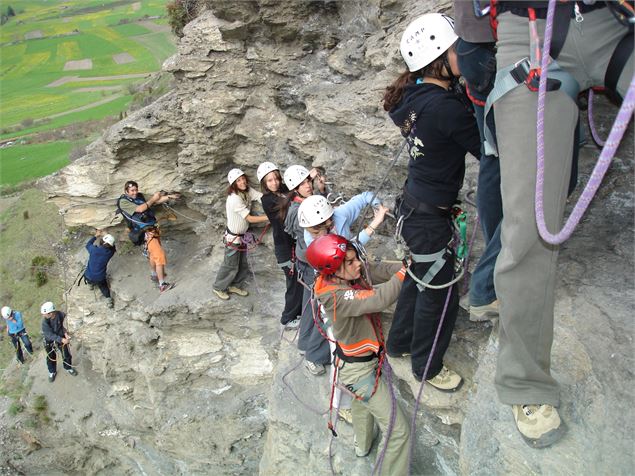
[(98, 257), (318, 217), (17, 332)]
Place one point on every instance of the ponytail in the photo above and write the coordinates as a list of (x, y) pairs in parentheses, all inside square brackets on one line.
[(394, 92), (283, 205)]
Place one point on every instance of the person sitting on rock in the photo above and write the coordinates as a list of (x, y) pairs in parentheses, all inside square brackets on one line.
[(17, 332), (55, 335), (98, 257), (233, 272), (137, 211), (274, 191), (353, 305), (156, 257)]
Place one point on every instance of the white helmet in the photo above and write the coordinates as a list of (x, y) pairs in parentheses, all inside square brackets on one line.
[(294, 176), (264, 169), (109, 239), (314, 210), (47, 307), (6, 312), (425, 39), (233, 175)]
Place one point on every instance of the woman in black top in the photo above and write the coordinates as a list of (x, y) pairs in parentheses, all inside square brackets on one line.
[(440, 129), (273, 195)]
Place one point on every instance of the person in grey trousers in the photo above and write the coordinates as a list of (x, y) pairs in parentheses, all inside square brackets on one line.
[(525, 273)]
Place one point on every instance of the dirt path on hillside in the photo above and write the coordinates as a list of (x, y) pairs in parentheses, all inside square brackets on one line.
[(87, 106), (77, 79)]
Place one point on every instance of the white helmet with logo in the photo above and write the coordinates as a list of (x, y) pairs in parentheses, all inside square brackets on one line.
[(294, 176), (233, 175), (425, 39), (6, 312), (109, 239), (314, 210), (47, 307), (264, 169)]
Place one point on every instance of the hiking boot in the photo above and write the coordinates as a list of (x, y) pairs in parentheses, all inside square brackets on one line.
[(52, 376), (110, 303), (346, 415), (154, 278), (446, 381), (313, 368), (72, 371), (398, 355), (294, 324), (235, 290), (359, 452), (539, 425), (484, 313), (163, 287), (221, 294)]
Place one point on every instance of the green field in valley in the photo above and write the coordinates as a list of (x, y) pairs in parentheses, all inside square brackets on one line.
[(69, 61)]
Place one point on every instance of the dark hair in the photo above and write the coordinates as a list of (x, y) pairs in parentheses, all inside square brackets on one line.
[(283, 188), (394, 92), (283, 205), (130, 183), (233, 188)]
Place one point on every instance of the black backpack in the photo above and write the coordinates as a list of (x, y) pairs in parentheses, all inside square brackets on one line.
[(137, 223)]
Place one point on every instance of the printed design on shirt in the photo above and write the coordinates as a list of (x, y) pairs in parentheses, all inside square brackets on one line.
[(415, 147), (349, 295), (364, 294), (408, 125)]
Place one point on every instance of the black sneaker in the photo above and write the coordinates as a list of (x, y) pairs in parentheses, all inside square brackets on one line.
[(165, 287), (52, 376), (73, 372)]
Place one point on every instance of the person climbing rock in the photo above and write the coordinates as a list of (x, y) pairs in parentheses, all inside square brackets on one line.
[(157, 259), (353, 294), (137, 211), (234, 270), (440, 129), (318, 217), (17, 332), (55, 336), (596, 50), (274, 191), (99, 254), (300, 182)]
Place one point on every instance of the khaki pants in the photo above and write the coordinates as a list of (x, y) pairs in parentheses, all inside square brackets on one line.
[(525, 276), (378, 410)]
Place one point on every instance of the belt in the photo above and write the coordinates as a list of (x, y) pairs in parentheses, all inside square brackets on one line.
[(423, 207), (352, 359), (232, 233)]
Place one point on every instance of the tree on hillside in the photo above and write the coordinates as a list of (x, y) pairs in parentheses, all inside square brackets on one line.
[(10, 11)]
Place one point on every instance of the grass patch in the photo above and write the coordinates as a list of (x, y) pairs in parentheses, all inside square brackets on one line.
[(25, 162), (21, 239)]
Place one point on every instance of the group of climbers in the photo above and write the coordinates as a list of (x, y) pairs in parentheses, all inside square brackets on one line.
[(334, 297)]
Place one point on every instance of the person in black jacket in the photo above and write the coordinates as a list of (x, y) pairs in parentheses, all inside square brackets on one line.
[(55, 335), (273, 194), (440, 129), (98, 257)]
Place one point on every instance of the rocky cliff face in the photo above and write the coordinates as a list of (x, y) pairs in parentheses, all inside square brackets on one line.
[(182, 383)]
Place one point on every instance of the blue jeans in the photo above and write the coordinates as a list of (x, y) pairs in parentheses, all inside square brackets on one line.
[(478, 66)]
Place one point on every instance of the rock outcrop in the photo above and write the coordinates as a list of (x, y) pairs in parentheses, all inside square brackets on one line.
[(182, 383)]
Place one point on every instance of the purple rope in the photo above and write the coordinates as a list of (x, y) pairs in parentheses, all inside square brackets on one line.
[(423, 378), (603, 163), (594, 132), (387, 373)]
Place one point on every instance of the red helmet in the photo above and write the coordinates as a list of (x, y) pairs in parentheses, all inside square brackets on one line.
[(327, 253)]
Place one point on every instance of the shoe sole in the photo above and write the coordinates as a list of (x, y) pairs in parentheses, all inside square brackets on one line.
[(238, 294), (171, 286), (547, 439), (483, 316), (221, 297), (398, 355)]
